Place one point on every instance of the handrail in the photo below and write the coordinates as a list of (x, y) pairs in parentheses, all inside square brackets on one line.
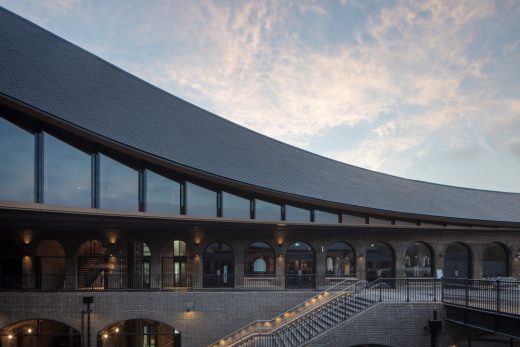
[(320, 313), (374, 289), (251, 328)]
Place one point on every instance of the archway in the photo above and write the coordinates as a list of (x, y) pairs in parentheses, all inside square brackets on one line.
[(218, 265), (11, 275), (136, 264), (175, 265), (495, 261), (94, 265), (340, 260), (139, 333), (40, 332), (457, 260), (380, 261), (49, 267), (418, 260), (300, 266), (259, 259)]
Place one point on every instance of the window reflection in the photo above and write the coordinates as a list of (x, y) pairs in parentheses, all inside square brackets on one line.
[(267, 211), (119, 185), (296, 214), (67, 173), (234, 206), (457, 261), (495, 261), (162, 194), (380, 261), (16, 163), (325, 217), (200, 201)]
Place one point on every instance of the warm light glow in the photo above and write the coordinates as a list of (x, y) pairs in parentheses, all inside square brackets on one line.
[(29, 331), (117, 330), (27, 236), (105, 336), (112, 237), (9, 337)]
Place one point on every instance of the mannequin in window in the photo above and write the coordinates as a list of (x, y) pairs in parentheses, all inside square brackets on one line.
[(407, 261), (330, 265)]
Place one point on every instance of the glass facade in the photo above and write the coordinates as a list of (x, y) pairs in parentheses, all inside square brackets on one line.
[(200, 201), (67, 174), (325, 217), (162, 194), (267, 211), (118, 185), (16, 163), (235, 207), (296, 214)]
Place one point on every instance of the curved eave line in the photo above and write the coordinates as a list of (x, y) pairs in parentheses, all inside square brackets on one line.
[(224, 181)]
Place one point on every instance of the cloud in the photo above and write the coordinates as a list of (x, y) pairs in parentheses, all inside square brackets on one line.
[(420, 79)]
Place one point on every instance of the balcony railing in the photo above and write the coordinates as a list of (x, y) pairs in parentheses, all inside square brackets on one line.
[(501, 296), (104, 281)]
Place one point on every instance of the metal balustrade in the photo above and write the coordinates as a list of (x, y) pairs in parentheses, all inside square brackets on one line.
[(101, 279), (499, 295), (295, 327)]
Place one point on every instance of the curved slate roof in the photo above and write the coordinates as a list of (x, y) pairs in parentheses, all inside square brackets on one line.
[(57, 77)]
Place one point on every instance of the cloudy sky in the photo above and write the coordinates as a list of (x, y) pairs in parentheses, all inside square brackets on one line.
[(428, 90)]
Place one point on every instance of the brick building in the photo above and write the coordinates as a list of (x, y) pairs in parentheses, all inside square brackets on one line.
[(182, 226)]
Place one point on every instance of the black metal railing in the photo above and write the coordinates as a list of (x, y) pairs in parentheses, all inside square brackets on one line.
[(294, 327), (499, 295), (109, 280)]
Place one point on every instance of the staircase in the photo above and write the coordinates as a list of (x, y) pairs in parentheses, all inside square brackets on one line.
[(91, 271), (328, 309)]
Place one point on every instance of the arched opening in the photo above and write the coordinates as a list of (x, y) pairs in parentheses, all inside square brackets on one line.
[(11, 274), (300, 266), (218, 265), (259, 259), (94, 265), (40, 332), (457, 261), (136, 265), (49, 267), (340, 260), (495, 261), (139, 333), (380, 261), (175, 265), (418, 260)]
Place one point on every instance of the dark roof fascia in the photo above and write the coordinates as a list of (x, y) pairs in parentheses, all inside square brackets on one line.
[(104, 217), (45, 117)]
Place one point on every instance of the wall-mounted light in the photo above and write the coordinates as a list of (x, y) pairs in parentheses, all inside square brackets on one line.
[(189, 306), (322, 248), (10, 337)]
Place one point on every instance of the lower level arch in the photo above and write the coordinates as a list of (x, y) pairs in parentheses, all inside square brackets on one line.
[(139, 332)]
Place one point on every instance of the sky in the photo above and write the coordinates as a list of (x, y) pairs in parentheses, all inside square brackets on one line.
[(427, 90)]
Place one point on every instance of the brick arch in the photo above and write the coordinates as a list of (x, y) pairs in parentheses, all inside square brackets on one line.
[(63, 318), (103, 322)]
